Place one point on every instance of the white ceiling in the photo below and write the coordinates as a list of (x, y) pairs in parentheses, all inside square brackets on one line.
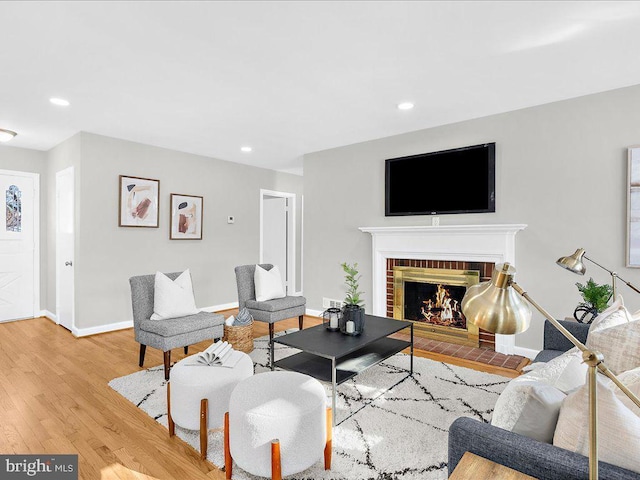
[(289, 78)]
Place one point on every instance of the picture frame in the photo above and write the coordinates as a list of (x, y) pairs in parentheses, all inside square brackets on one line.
[(633, 207), (138, 203), (186, 217)]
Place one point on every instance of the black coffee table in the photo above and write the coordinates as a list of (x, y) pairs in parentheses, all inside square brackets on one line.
[(334, 357)]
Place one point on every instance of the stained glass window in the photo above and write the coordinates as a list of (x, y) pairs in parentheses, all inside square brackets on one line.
[(14, 209)]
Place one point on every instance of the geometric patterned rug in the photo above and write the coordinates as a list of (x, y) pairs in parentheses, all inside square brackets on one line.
[(388, 425)]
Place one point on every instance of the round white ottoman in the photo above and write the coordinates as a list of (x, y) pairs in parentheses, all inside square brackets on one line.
[(189, 385), (285, 406)]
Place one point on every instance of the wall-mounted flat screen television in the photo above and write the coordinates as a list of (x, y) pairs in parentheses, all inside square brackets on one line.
[(462, 180)]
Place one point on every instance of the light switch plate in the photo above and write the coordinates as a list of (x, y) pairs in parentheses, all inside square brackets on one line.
[(231, 219)]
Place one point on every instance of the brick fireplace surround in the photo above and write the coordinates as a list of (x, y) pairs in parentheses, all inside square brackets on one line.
[(487, 340), (442, 245)]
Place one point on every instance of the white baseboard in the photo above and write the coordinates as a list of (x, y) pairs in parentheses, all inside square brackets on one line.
[(526, 352), (223, 306), (51, 316), (313, 313), (111, 327)]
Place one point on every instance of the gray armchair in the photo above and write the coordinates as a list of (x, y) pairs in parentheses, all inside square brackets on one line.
[(170, 333), (270, 311)]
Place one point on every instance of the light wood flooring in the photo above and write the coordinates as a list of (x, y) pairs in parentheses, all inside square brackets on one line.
[(54, 399)]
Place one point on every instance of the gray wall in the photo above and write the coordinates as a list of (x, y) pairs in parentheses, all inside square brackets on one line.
[(33, 161), (561, 169), (107, 255)]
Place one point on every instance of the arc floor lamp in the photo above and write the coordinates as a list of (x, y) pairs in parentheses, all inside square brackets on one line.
[(574, 264), (499, 306)]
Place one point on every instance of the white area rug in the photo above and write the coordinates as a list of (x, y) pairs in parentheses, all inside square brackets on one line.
[(389, 425)]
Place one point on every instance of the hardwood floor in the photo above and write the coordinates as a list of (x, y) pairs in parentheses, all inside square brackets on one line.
[(54, 399)]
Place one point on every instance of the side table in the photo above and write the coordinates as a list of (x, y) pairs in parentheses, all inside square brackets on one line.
[(473, 467)]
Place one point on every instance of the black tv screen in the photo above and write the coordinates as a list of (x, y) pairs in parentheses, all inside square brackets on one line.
[(461, 180)]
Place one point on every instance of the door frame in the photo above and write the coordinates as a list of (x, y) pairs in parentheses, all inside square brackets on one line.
[(57, 260), (37, 312), (291, 234)]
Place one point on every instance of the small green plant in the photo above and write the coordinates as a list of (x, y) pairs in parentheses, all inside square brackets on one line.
[(595, 296), (352, 280)]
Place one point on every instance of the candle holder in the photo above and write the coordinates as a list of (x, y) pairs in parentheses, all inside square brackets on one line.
[(352, 322), (331, 319)]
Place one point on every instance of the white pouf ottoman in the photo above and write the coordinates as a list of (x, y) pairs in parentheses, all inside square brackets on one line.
[(198, 395), (278, 424)]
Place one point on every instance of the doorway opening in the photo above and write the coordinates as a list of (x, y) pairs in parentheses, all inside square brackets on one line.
[(278, 239)]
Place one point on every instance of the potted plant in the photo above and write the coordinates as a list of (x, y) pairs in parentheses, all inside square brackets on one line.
[(596, 299), (352, 312)]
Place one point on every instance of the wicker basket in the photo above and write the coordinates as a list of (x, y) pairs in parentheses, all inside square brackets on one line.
[(240, 337)]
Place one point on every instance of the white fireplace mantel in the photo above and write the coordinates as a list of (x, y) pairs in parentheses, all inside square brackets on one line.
[(471, 243)]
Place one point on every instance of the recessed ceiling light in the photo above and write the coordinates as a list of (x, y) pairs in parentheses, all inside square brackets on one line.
[(405, 106), (61, 102), (246, 149), (6, 135)]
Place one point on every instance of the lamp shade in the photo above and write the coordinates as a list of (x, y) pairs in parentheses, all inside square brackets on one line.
[(573, 263), (495, 306)]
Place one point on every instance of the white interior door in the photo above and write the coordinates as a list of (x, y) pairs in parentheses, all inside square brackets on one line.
[(17, 246), (65, 206), (274, 234)]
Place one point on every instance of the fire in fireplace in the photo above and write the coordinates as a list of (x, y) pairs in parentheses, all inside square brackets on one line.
[(434, 303), (431, 298)]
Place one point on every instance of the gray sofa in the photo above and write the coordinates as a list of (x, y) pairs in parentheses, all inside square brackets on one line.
[(538, 459)]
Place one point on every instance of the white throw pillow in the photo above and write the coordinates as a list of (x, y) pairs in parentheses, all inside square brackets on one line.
[(618, 426), (528, 407), (631, 380), (574, 374), (564, 372), (620, 346), (268, 284), (531, 403), (173, 298), (616, 314)]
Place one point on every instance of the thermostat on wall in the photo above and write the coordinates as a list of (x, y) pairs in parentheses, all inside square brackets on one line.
[(231, 219)]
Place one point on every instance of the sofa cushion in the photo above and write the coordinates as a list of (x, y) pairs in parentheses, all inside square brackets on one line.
[(181, 325), (277, 304), (546, 355), (618, 426)]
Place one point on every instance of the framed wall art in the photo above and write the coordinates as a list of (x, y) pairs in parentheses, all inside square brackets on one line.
[(186, 217), (139, 202), (633, 208)]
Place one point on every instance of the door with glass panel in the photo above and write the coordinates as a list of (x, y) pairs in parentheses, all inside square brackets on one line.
[(18, 254)]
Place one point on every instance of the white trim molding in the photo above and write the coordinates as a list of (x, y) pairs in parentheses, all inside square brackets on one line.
[(525, 352), (313, 313), (471, 243), (47, 314), (110, 327), (222, 306)]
